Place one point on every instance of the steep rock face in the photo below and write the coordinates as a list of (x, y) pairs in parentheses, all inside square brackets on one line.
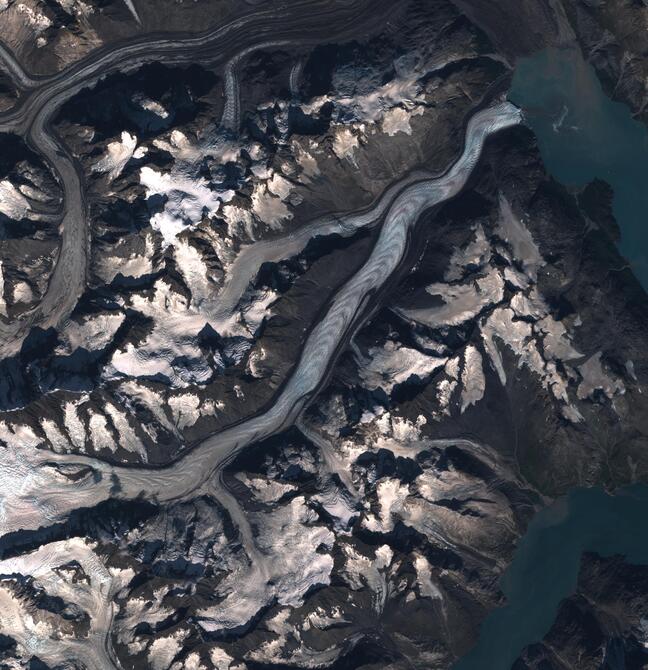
[(8, 93), (540, 23), (602, 625), (505, 332), (30, 201), (614, 38), (184, 484), (202, 284), (48, 35)]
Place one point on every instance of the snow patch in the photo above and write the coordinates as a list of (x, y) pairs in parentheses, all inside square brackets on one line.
[(397, 120), (117, 155), (472, 378), (395, 364), (13, 203)]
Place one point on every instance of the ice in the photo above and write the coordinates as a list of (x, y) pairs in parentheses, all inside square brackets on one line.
[(93, 595), (345, 143), (391, 497), (132, 10), (117, 156), (427, 588), (264, 490), (128, 439), (135, 265), (93, 334), (13, 203), (221, 659), (55, 437), (171, 350), (164, 649), (397, 120), (100, 434), (461, 301), (472, 378), (596, 378), (513, 231), (288, 566), (22, 293), (396, 364), (188, 200), (37, 21), (154, 107), (77, 7), (361, 571), (474, 255), (185, 409), (74, 426), (268, 207)]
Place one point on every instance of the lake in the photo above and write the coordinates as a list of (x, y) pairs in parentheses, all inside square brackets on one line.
[(583, 134), (545, 567)]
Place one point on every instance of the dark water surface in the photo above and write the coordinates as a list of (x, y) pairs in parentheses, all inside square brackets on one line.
[(545, 567), (583, 134)]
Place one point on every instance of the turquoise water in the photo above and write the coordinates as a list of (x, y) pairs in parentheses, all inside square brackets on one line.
[(545, 567), (583, 134)]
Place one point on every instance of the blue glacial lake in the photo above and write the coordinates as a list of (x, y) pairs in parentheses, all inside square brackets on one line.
[(545, 567), (583, 134)]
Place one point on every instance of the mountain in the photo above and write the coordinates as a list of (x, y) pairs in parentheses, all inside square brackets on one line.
[(298, 332)]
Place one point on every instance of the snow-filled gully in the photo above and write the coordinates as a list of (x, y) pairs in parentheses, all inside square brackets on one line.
[(42, 97), (39, 488)]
